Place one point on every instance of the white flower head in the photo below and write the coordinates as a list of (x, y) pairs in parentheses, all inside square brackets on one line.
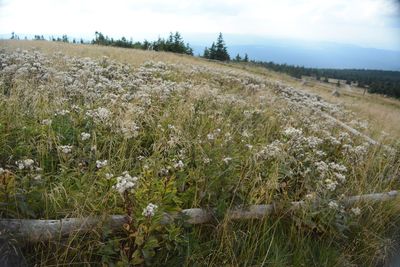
[(65, 149), (330, 185), (150, 210), (227, 160), (25, 164), (333, 205), (356, 211), (125, 182), (101, 163), (206, 160), (179, 165), (85, 136), (210, 136)]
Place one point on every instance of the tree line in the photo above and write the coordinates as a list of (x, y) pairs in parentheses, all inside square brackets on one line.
[(375, 81), (174, 43)]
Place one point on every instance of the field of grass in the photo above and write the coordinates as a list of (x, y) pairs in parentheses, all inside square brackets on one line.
[(95, 131)]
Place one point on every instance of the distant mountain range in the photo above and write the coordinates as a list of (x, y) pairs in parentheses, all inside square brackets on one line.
[(318, 55)]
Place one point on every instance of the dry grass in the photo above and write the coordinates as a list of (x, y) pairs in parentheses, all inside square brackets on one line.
[(383, 113)]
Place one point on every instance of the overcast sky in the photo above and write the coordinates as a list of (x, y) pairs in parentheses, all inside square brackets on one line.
[(368, 23)]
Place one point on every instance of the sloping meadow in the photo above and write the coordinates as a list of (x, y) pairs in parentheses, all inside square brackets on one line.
[(82, 137)]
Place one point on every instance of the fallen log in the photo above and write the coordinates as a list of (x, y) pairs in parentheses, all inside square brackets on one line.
[(44, 230), (348, 128)]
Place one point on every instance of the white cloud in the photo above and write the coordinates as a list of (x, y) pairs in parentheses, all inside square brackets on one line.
[(363, 22)]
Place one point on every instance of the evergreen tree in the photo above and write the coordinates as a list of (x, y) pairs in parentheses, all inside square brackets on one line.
[(218, 50), (212, 52), (238, 58), (206, 53), (246, 58)]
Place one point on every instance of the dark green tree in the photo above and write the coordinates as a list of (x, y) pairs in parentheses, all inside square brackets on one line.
[(221, 52)]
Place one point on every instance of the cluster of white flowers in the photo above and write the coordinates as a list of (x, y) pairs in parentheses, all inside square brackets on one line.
[(292, 132), (129, 129), (125, 182), (101, 163), (100, 115), (85, 136), (206, 160), (272, 150), (356, 211), (67, 149), (150, 210), (25, 164), (179, 165), (330, 184), (62, 112), (333, 205)]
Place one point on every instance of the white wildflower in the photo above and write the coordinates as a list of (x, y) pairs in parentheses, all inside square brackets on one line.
[(310, 196), (25, 164), (333, 205), (109, 176), (206, 160), (65, 149), (101, 163), (322, 167), (62, 112), (337, 167), (227, 160), (292, 132), (125, 182), (356, 211), (210, 136), (179, 165), (340, 177), (330, 185), (85, 136), (150, 210), (249, 146)]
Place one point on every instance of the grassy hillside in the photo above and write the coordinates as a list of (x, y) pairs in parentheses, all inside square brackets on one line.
[(95, 131)]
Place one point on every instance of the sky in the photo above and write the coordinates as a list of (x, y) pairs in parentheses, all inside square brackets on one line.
[(366, 23)]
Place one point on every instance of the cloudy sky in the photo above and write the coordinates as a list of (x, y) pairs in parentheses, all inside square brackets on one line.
[(368, 23)]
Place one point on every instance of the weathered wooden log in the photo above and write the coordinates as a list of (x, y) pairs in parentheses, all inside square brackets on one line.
[(348, 128), (44, 230)]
